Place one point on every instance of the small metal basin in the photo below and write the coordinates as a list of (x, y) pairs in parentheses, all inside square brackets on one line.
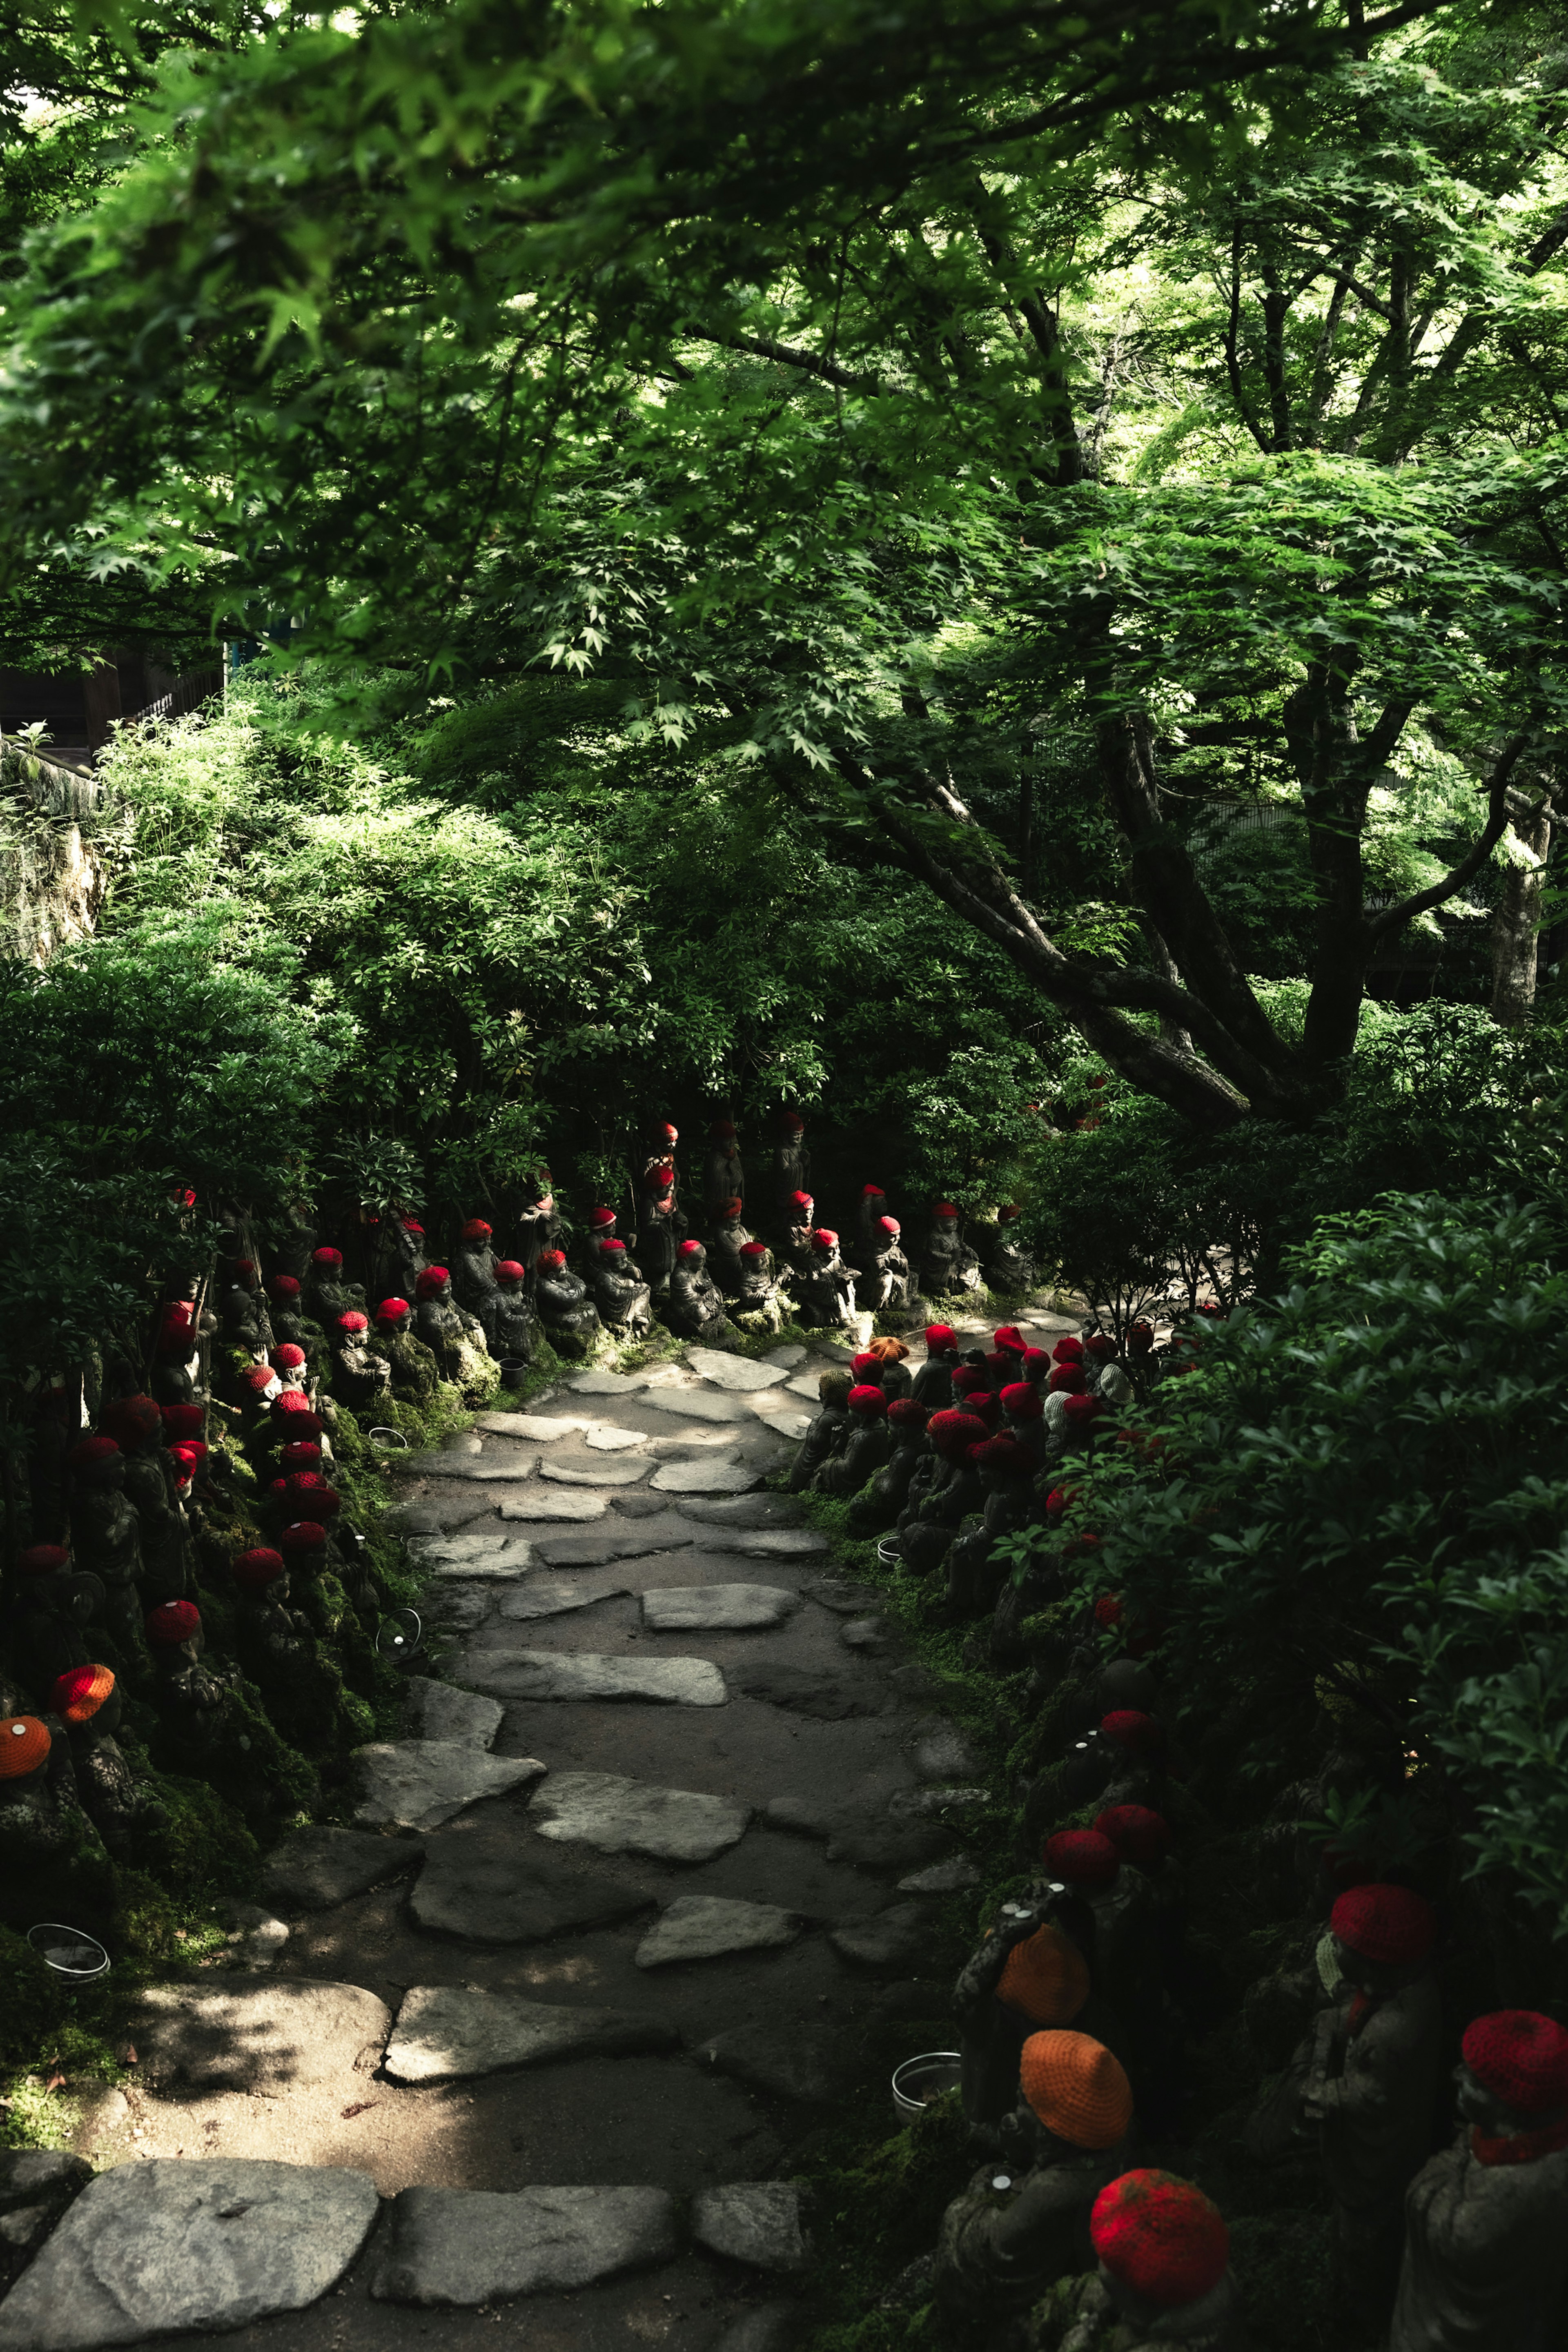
[(400, 1635), (69, 1952), (919, 2080)]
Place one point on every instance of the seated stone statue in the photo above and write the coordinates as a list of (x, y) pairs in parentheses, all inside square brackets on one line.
[(1126, 1939), (603, 1225), (624, 1300), (403, 1254), (213, 1726), (761, 1304), (799, 1224), (724, 1178), (1023, 1413), (974, 1573), (168, 1558), (934, 1382), (105, 1541), (1105, 1377), (511, 1324), (473, 1267), (278, 1651), (948, 1267), (290, 1325), (868, 1447), (177, 1361), (1486, 2253), (326, 1294), (826, 1290), (790, 1168), (293, 1241), (52, 1603), (695, 1310), (887, 1286), (1164, 2278), (661, 1226), (53, 1864), (929, 1524), (453, 1337), (361, 1376), (570, 1319), (122, 1810), (413, 1368), (878, 1506), (727, 1237), (1018, 2228), (1009, 1269), (242, 1308), (1024, 1977), (828, 1431)]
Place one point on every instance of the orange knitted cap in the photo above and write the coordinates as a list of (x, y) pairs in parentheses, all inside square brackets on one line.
[(1045, 1978), (79, 1692), (1077, 2088), (24, 1746)]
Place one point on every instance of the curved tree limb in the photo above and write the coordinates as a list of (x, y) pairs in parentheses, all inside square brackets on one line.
[(1394, 919)]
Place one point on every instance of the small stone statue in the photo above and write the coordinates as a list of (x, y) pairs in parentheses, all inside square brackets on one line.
[(761, 1305), (362, 1377), (410, 1364), (1106, 1376), (453, 1337), (948, 1267), (168, 1558), (826, 1290), (828, 1431), (1021, 2226), (1126, 1942), (602, 1224), (879, 1505), (868, 1448), (723, 1178), (1371, 2079), (303, 1690), (1164, 2278), (695, 1309), (291, 1251), (242, 1308), (623, 1300), (800, 1212), (889, 1285), (870, 1211), (1023, 1413), (934, 1382), (86, 1700), (661, 1227), (790, 1168), (326, 1294), (291, 1326), (52, 1604), (474, 1267), (1486, 2253), (1024, 1977), (570, 1319), (727, 1237), (106, 1539), (511, 1326), (403, 1259), (177, 1361), (214, 1726), (53, 1864), (974, 1573), (929, 1526), (537, 1218), (1009, 1267)]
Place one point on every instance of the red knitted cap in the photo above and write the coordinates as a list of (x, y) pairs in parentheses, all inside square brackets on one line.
[(1391, 1926), (1521, 2057), (171, 1622), (599, 1218), (753, 1249), (257, 1379), (1006, 1215), (1160, 2237), (93, 1450), (397, 1311), (1081, 1857), (792, 1119), (825, 1239), (1067, 1351), (1067, 1381), (1037, 1363), (1137, 1834), (430, 1281), (553, 1258), (476, 1230), (940, 1339), (1080, 1410), (945, 1209), (1004, 1452), (1021, 1402), (289, 1357), (1107, 1608), (662, 1132), (1101, 1346), (283, 1287), (25, 1746), (353, 1321), (303, 1535), (79, 1692), (43, 1560), (130, 1419), (869, 1402), (1132, 1730), (307, 1494), (1010, 1338), (802, 1201), (968, 1378), (872, 1192), (952, 1433), (290, 1406), (612, 1249), (301, 1456), (326, 1258), (255, 1569), (865, 1361), (721, 1132), (890, 1228), (691, 1249), (905, 1413), (183, 1419), (508, 1269)]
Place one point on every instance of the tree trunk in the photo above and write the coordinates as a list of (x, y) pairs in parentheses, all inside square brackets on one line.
[(1516, 924)]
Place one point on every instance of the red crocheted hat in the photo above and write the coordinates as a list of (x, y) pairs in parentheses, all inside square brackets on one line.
[(301, 1456), (1066, 1379), (753, 1249), (1131, 1729), (303, 1535), (410, 1228), (91, 1451), (1160, 2237), (1081, 1857), (1037, 1364), (551, 1259), (1107, 1608), (1006, 1215), (952, 1433), (1101, 1346), (792, 1119), (945, 1209), (427, 1284), (292, 1409), (987, 1405), (865, 1361), (869, 1402), (183, 1419), (940, 1339), (476, 1230), (802, 1201), (1010, 1338), (397, 1310), (257, 1379), (658, 1180), (1004, 1452), (1080, 1409), (288, 1358), (690, 1249), (1521, 2057), (663, 1132), (872, 1192), (508, 1269), (611, 1249), (905, 1413), (353, 1322), (1137, 1834), (1021, 1402), (79, 1692), (1067, 1351), (890, 1227), (327, 1259), (1391, 1926), (306, 1494), (721, 1132), (825, 1239), (171, 1622), (970, 1381), (599, 1218), (25, 1746), (255, 1569), (284, 1287), (731, 1209), (131, 1420), (43, 1560)]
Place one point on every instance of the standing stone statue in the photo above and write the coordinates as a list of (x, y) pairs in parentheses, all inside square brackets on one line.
[(1009, 1269), (795, 1247), (661, 1227), (168, 1560), (888, 1288), (724, 1178), (948, 1267), (473, 1267), (106, 1539), (791, 1167), (87, 1701), (1163, 2252)]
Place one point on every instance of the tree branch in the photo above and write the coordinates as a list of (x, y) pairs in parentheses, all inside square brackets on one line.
[(1232, 352), (1395, 919), (763, 347)]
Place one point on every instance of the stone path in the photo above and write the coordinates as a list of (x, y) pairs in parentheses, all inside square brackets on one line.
[(588, 1965)]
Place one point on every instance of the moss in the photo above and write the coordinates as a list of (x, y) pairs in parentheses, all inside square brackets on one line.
[(875, 2209), (32, 2001), (206, 1848)]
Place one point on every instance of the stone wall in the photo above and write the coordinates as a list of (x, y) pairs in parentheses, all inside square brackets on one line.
[(60, 831)]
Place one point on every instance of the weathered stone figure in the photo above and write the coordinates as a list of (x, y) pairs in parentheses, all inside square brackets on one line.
[(86, 1700), (724, 1178), (622, 1297), (826, 1286), (1164, 2254), (696, 1309), (948, 1267)]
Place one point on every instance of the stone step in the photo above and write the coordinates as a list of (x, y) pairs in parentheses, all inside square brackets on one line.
[(445, 2033), (589, 1674), (418, 1784)]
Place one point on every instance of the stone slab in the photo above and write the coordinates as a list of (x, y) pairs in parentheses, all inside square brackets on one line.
[(488, 1890), (699, 1405), (636, 1502), (808, 2064), (418, 1784), (476, 1543), (938, 1803), (767, 2327), (315, 1868), (679, 1444), (614, 1815), (951, 1878), (789, 1425), (594, 1474), (545, 1596), (867, 1636), (741, 1375), (534, 1428), (808, 1691), (616, 1543), (606, 1383), (434, 1514), (845, 1597), (891, 1942), (178, 2245), (447, 2033), (804, 1384), (746, 1511), (38, 2176), (719, 1607), (591, 1674), (249, 2032), (753, 2222), (941, 1752), (457, 1608), (460, 2247), (776, 1543), (712, 1477), (604, 1437), (484, 1472), (788, 1357), (433, 1710), (707, 1927), (556, 1503)]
